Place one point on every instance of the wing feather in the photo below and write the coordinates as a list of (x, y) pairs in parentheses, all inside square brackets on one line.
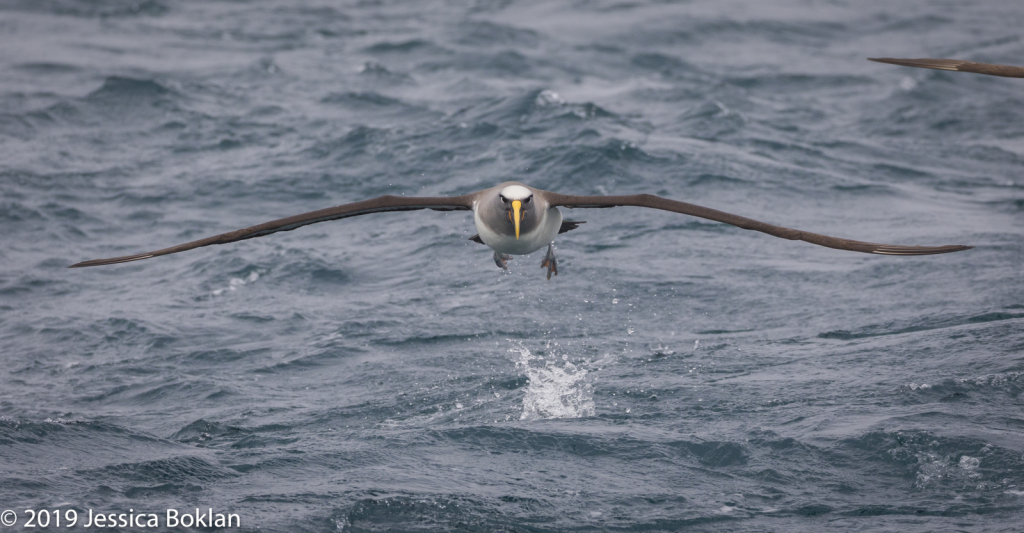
[(376, 205), (657, 202)]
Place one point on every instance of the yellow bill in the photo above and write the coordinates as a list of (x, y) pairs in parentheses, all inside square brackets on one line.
[(516, 205)]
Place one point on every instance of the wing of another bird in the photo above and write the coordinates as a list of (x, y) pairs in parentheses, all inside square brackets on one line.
[(657, 202), (376, 205), (958, 65)]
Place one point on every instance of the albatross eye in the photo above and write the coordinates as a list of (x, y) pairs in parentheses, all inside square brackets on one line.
[(528, 198), (503, 199)]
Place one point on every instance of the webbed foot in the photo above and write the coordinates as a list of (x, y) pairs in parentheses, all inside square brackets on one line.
[(501, 260), (550, 261)]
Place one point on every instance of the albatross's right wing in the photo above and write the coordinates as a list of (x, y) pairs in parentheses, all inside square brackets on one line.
[(376, 205), (958, 65), (657, 202)]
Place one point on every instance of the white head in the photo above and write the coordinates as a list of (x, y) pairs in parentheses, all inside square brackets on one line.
[(516, 203), (516, 192)]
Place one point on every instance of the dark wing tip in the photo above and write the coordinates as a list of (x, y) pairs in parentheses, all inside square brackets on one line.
[(940, 64), (111, 261), (918, 250), (958, 65)]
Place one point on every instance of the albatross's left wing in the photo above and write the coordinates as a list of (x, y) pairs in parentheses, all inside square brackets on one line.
[(657, 202), (957, 65), (376, 205)]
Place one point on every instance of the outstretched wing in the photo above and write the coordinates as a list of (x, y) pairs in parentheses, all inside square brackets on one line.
[(657, 202), (376, 205), (958, 65)]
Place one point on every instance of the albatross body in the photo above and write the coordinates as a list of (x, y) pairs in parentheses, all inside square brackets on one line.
[(496, 212), (538, 226), (515, 219)]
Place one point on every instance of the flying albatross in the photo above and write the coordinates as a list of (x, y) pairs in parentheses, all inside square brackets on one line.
[(515, 219), (957, 65)]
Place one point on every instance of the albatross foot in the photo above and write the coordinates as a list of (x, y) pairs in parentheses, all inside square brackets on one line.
[(501, 260), (550, 262)]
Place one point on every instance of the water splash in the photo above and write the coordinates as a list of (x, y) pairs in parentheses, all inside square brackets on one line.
[(557, 388)]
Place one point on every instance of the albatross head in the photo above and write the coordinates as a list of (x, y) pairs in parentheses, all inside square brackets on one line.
[(518, 204)]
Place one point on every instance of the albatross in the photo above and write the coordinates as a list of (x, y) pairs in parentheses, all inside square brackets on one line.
[(516, 219), (957, 65)]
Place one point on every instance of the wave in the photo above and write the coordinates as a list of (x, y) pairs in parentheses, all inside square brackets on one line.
[(918, 324), (936, 463), (97, 9)]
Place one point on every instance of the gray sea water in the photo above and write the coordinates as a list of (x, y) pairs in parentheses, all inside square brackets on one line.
[(381, 374)]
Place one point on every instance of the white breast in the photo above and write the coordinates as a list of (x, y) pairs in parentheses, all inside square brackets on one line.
[(527, 243)]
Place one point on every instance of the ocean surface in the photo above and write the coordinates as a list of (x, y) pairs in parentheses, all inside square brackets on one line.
[(380, 373)]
